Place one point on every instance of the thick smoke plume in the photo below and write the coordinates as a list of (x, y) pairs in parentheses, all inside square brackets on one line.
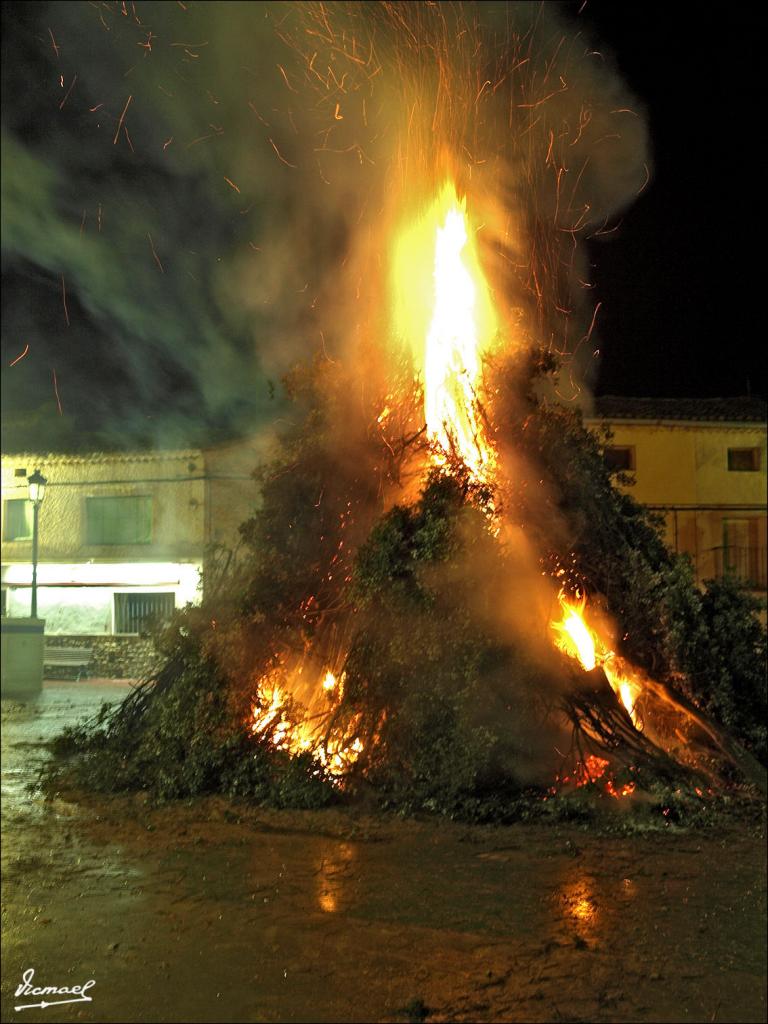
[(208, 192)]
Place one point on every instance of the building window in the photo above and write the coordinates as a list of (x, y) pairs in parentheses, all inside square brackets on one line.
[(139, 613), (744, 460), (18, 519), (619, 459), (124, 520)]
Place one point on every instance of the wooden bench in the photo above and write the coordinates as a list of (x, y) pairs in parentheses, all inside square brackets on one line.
[(71, 657)]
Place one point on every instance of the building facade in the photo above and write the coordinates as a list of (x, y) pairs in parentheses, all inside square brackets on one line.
[(701, 464), (123, 537)]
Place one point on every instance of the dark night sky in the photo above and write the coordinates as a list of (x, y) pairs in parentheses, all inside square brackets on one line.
[(678, 281)]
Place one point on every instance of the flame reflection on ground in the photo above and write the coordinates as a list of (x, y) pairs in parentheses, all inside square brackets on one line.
[(333, 874), (577, 896)]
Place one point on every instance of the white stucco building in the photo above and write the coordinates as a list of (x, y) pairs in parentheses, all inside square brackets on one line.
[(122, 536)]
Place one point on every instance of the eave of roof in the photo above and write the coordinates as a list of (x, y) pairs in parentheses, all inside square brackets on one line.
[(746, 410)]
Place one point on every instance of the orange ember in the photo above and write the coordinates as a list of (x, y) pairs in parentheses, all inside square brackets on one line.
[(592, 770)]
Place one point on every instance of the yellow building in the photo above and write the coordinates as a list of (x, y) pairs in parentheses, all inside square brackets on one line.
[(701, 463), (123, 537)]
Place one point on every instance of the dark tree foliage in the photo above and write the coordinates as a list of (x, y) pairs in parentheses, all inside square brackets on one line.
[(708, 646), (614, 543), (184, 733), (435, 684), (726, 668)]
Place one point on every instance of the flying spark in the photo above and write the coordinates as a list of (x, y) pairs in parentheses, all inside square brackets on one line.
[(21, 356)]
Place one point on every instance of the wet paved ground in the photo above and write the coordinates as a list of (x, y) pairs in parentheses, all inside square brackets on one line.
[(207, 912)]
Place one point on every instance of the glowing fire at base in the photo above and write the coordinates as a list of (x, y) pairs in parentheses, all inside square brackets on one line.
[(591, 770), (299, 729), (461, 326)]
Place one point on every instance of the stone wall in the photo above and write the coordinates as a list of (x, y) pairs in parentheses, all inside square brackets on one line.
[(112, 657)]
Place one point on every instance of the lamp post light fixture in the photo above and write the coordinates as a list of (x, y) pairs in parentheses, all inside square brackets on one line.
[(36, 484)]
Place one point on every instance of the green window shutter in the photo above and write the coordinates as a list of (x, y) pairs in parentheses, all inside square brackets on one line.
[(119, 520), (18, 519)]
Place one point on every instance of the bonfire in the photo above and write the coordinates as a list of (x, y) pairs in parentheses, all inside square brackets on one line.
[(434, 600), (621, 718)]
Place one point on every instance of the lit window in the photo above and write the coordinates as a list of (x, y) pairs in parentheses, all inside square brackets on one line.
[(619, 459), (123, 520), (745, 460), (139, 613), (18, 519)]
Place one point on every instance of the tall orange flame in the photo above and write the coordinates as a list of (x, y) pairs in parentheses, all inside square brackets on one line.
[(450, 335)]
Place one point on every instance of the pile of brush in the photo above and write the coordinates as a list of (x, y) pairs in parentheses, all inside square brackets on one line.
[(422, 596)]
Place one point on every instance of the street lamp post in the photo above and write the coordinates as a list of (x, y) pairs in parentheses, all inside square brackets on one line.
[(36, 484)]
